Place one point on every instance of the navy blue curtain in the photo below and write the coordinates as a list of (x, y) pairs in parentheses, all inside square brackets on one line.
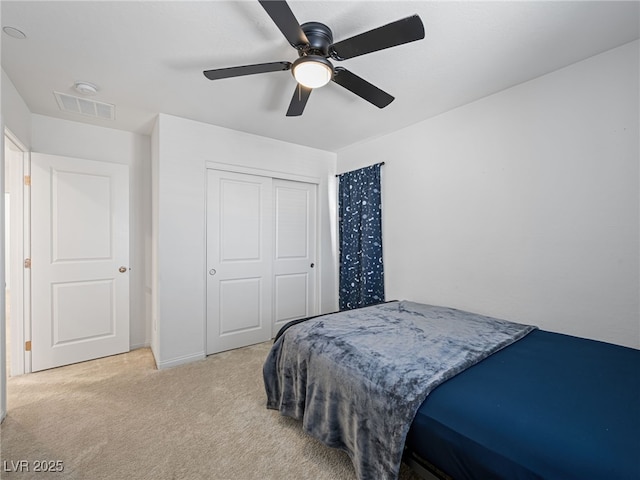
[(360, 230)]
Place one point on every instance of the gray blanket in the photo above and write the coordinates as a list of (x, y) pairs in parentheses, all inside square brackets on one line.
[(357, 378)]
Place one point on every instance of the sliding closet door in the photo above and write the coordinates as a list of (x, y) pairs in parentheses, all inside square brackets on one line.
[(239, 229), (261, 265), (294, 279)]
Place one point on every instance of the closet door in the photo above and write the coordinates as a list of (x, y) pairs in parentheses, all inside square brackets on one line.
[(294, 279), (239, 260)]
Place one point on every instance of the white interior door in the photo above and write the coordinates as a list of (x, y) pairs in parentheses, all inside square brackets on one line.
[(239, 231), (294, 279), (79, 260)]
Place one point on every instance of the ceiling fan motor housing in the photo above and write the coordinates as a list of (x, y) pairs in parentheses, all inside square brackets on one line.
[(320, 38)]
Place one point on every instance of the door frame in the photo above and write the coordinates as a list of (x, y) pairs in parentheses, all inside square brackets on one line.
[(20, 318), (227, 167), (261, 172)]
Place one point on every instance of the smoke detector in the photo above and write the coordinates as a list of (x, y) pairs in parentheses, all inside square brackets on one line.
[(14, 32), (85, 88)]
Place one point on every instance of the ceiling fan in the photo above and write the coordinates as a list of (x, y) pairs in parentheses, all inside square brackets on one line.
[(314, 43)]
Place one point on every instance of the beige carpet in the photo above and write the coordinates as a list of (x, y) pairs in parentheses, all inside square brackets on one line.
[(120, 418)]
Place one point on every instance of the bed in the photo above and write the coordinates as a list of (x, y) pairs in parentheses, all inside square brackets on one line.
[(458, 394)]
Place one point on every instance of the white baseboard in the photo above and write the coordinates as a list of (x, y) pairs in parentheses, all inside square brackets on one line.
[(174, 362)]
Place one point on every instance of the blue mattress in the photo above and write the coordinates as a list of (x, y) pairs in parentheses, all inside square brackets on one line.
[(549, 406)]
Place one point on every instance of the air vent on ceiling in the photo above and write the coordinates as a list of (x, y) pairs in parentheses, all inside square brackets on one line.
[(83, 106)]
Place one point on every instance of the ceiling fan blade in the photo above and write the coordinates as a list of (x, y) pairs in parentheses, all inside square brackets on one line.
[(299, 100), (286, 21), (362, 88), (219, 73), (396, 33)]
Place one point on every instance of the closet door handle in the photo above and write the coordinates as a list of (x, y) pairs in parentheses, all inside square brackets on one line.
[(212, 272)]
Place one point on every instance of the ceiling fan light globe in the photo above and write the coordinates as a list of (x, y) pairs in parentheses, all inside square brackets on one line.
[(312, 71)]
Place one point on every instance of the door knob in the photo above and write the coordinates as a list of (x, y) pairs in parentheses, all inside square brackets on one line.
[(212, 271), (122, 269)]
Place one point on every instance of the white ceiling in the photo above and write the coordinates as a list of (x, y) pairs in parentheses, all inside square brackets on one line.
[(148, 57)]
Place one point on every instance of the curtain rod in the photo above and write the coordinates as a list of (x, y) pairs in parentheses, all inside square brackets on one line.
[(338, 174)]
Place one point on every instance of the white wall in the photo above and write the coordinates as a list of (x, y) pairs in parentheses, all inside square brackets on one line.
[(15, 113), (523, 205), (73, 139), (181, 149)]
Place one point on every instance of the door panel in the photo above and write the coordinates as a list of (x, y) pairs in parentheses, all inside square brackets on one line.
[(292, 220), (80, 239), (73, 302), (72, 212), (241, 206), (240, 305), (239, 262), (292, 297), (294, 251)]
